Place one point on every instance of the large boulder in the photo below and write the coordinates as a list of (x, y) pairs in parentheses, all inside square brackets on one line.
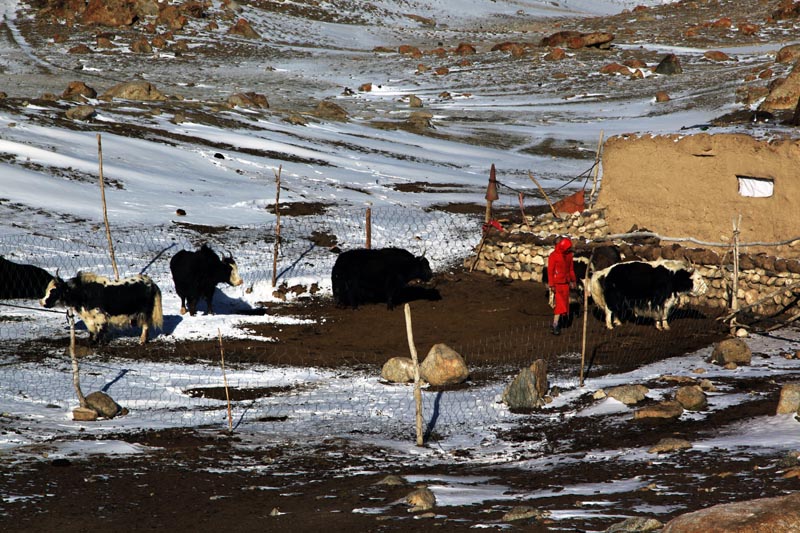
[(134, 90), (731, 351), (783, 93), (443, 366), (774, 515), (112, 13)]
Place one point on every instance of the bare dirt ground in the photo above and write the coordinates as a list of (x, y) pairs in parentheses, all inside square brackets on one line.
[(209, 480)]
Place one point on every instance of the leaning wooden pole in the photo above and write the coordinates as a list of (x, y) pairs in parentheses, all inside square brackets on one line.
[(276, 248), (225, 380), (544, 194), (596, 170), (76, 378), (417, 386), (105, 209)]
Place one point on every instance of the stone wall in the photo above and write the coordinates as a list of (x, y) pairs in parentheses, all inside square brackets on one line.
[(520, 252)]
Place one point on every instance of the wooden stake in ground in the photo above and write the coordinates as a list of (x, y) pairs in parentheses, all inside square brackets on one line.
[(596, 170), (276, 248), (417, 389), (546, 198), (368, 243), (585, 314), (76, 378), (225, 381), (105, 210), (735, 281), (491, 194)]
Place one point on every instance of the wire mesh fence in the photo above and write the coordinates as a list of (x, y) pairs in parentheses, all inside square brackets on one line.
[(179, 381)]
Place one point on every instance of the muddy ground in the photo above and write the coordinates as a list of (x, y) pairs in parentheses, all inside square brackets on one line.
[(210, 480)]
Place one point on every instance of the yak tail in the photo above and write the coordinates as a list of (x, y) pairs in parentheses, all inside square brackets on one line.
[(157, 314)]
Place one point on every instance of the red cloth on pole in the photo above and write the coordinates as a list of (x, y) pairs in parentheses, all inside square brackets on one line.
[(574, 203)]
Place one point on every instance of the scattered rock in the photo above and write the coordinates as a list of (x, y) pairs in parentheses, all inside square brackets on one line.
[(134, 90), (443, 366), (81, 112), (251, 100), (331, 111), (692, 398), (421, 499), (398, 370), (636, 524), (668, 409), (109, 13), (716, 55), (243, 29), (776, 515), (464, 49), (84, 414), (524, 512), (669, 65), (528, 388), (783, 93), (391, 480), (77, 90), (731, 351), (414, 101), (628, 394), (670, 445), (789, 401), (103, 404)]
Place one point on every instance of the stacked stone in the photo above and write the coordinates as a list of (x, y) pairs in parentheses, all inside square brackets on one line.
[(521, 251)]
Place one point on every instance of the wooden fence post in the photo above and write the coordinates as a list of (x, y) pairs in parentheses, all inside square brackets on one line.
[(735, 281), (368, 243), (596, 170), (225, 381), (417, 386), (105, 210), (276, 248), (76, 378)]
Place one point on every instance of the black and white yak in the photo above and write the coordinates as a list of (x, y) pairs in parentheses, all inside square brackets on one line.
[(645, 288), (103, 303)]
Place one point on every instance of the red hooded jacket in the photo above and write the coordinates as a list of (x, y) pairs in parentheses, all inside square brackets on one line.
[(559, 265)]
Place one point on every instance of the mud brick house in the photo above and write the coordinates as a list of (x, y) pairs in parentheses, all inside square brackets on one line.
[(679, 187)]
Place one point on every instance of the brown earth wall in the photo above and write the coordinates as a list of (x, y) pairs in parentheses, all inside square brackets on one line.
[(687, 185)]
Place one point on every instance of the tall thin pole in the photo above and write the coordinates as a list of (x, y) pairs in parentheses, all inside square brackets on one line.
[(735, 281), (225, 380), (596, 170), (368, 243), (105, 210), (276, 248), (417, 386), (76, 378), (585, 315)]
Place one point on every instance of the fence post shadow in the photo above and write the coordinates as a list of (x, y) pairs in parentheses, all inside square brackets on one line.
[(434, 416)]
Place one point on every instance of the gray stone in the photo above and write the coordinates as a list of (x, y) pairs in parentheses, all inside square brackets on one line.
[(692, 398)]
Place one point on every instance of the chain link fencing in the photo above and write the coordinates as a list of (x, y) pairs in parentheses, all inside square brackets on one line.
[(176, 381)]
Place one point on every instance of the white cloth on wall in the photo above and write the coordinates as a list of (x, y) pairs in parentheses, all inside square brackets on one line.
[(755, 187)]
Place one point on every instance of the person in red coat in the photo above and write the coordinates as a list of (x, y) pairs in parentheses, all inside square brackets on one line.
[(560, 278)]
